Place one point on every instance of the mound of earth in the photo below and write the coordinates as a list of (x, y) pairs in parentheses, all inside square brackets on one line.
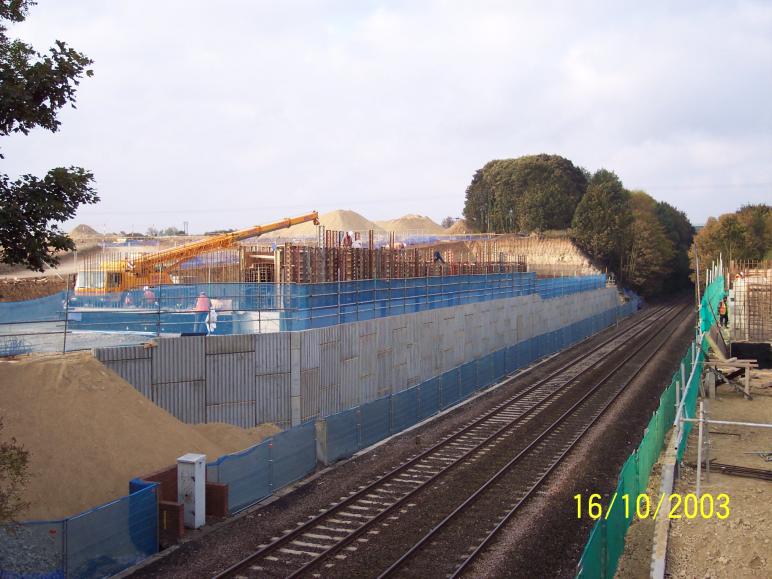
[(20, 289), (411, 224), (89, 432), (84, 231), (459, 227), (339, 220)]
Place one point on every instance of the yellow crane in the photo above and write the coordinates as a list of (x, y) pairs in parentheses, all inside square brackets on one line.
[(153, 268)]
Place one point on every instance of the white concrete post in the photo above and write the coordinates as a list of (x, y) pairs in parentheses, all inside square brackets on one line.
[(191, 489), (295, 378)]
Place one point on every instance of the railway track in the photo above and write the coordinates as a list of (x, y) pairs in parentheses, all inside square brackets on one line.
[(467, 471)]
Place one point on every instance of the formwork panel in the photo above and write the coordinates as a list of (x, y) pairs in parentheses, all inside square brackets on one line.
[(309, 393), (384, 373), (136, 372), (349, 341), (229, 344), (349, 383), (329, 364), (310, 349), (179, 360), (238, 413), (329, 400), (272, 393), (186, 401), (122, 353), (230, 377), (272, 353)]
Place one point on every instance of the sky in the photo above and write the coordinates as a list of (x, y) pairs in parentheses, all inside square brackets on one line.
[(239, 112)]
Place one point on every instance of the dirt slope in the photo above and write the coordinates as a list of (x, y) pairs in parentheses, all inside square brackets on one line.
[(89, 432), (411, 224), (340, 220)]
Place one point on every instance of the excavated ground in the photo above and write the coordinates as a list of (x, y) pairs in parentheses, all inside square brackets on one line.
[(546, 540)]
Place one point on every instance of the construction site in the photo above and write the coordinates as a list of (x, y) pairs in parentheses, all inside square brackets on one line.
[(349, 385)]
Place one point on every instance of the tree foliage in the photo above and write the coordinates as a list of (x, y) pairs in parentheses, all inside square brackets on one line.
[(14, 473), (531, 193), (602, 220), (447, 222), (651, 250), (743, 235), (34, 87), (644, 242)]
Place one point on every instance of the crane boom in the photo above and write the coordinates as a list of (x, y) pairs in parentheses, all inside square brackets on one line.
[(153, 268), (148, 262)]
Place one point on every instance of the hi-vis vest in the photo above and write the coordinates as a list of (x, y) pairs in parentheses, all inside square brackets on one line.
[(722, 308)]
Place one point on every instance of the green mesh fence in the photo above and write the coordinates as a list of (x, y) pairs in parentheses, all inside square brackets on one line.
[(607, 537)]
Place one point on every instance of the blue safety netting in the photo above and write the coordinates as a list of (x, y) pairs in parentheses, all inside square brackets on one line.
[(428, 398), (404, 409), (348, 431), (450, 388), (45, 309), (255, 307), (255, 473), (247, 474), (97, 543)]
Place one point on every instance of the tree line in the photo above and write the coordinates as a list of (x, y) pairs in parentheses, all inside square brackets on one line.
[(744, 235), (644, 242)]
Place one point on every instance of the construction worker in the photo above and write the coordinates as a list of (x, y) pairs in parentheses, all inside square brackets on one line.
[(148, 296), (201, 311), (438, 257), (723, 313)]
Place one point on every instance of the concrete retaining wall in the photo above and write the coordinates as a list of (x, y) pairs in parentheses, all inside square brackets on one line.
[(290, 377)]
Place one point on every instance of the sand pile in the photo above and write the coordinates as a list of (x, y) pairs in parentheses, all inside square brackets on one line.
[(89, 432), (234, 438), (411, 224), (339, 220), (459, 227), (84, 231)]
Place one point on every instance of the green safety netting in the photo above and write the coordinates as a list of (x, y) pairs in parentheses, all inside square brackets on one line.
[(607, 538)]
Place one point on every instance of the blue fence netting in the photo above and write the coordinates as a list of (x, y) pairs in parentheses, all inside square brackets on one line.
[(255, 473), (255, 307), (96, 543), (343, 431), (47, 309)]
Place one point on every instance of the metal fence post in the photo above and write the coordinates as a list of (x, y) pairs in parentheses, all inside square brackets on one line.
[(66, 314)]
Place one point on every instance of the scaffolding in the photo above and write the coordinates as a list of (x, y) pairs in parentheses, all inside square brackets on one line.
[(750, 294)]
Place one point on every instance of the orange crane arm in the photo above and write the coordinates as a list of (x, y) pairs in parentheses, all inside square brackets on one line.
[(224, 240)]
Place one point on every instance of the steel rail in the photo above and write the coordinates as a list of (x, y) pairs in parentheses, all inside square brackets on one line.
[(506, 468), (293, 534)]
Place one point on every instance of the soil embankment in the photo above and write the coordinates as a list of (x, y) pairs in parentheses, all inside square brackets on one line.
[(89, 432)]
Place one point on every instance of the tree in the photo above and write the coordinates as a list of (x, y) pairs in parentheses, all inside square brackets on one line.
[(531, 193), (681, 233), (33, 88), (14, 473), (744, 235), (601, 224), (651, 250), (447, 222)]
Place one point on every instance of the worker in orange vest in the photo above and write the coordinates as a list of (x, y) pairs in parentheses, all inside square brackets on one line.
[(203, 305), (723, 313)]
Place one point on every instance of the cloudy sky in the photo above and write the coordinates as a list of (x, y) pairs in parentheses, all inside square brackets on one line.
[(231, 113)]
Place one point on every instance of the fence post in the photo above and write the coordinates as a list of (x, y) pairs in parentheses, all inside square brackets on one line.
[(683, 378), (66, 314), (65, 558)]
